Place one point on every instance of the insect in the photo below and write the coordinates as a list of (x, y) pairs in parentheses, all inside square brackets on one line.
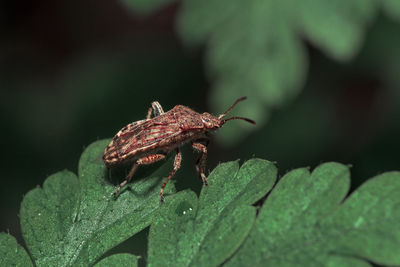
[(147, 141)]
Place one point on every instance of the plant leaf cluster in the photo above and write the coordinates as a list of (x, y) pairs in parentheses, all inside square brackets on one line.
[(306, 218)]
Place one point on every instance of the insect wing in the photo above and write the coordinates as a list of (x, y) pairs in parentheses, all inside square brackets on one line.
[(123, 138), (128, 136), (131, 130), (145, 135)]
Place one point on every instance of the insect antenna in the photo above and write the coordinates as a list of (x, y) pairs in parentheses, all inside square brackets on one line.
[(235, 118), (239, 118), (233, 105)]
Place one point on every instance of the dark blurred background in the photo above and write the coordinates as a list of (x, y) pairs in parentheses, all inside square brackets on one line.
[(73, 72)]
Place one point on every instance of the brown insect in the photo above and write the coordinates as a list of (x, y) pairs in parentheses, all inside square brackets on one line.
[(147, 141)]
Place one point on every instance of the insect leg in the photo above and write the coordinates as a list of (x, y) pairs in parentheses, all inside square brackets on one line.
[(142, 161), (177, 165), (201, 161), (155, 108), (127, 179)]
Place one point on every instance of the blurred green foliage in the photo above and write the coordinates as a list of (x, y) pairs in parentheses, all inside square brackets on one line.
[(253, 47)]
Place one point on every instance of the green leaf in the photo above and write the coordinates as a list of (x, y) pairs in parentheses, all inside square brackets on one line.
[(304, 222), (73, 221), (254, 47), (12, 254), (122, 259), (205, 231), (369, 221)]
